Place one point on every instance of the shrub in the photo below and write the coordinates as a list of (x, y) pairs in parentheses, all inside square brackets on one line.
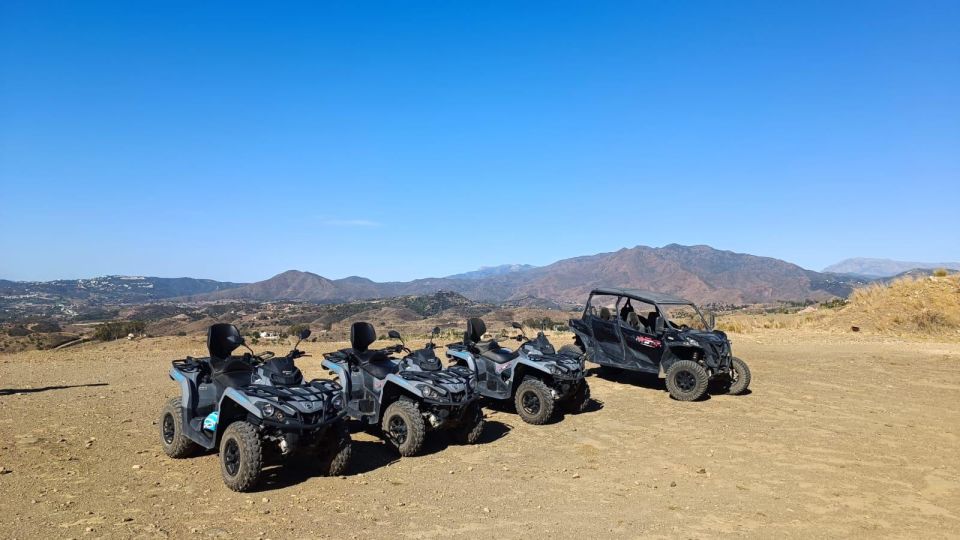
[(940, 272), (116, 330), (46, 327), (19, 331)]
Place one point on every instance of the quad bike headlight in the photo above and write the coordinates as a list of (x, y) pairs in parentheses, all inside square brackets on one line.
[(430, 392), (337, 402), (268, 409), (555, 370)]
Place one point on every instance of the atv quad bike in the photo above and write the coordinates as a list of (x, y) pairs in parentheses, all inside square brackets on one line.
[(652, 332), (255, 408), (534, 377), (405, 397)]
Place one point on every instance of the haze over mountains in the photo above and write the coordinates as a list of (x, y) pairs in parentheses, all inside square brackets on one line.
[(884, 267)]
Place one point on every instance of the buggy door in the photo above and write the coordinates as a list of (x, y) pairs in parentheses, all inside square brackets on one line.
[(642, 348), (601, 314)]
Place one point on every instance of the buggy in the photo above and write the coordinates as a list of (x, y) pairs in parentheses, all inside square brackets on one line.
[(651, 332)]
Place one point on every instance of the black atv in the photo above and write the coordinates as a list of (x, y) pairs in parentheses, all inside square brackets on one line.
[(651, 332), (534, 377), (405, 397), (255, 407)]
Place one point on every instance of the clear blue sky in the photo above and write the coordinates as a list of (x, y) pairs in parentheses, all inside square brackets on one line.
[(408, 139)]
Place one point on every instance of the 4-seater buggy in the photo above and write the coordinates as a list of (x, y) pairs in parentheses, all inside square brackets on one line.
[(651, 332)]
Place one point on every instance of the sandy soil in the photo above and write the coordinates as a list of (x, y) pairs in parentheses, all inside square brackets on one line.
[(839, 438)]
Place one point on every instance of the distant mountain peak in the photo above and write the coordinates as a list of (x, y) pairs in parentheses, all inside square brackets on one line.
[(874, 267), (488, 271)]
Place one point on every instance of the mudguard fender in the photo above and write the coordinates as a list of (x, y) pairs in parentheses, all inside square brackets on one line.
[(402, 383), (343, 377), (186, 395), (237, 397), (466, 357)]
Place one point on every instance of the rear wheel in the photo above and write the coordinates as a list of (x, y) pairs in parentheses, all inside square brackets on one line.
[(403, 426), (335, 450), (739, 377), (241, 456), (687, 380), (534, 401), (175, 443), (470, 428), (579, 400)]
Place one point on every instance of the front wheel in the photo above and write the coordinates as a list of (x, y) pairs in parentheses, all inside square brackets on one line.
[(534, 401), (580, 399), (470, 428), (175, 443), (404, 428), (687, 380), (335, 450), (241, 456), (739, 377)]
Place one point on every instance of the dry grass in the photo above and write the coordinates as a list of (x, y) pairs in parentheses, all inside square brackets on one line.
[(927, 306)]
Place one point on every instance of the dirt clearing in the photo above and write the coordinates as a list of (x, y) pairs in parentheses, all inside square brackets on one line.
[(838, 438)]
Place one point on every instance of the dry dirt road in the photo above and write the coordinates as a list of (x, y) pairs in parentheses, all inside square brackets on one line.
[(838, 439)]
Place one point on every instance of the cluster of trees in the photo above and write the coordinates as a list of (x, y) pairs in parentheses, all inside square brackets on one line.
[(545, 322), (115, 330)]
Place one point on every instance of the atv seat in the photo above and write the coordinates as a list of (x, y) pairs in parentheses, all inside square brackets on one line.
[(377, 363), (232, 372), (491, 350)]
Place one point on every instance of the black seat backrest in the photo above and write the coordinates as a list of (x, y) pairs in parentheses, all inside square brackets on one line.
[(652, 320), (362, 335), (476, 328), (222, 340), (605, 313)]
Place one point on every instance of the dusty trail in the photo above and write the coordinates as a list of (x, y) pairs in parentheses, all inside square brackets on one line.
[(837, 439)]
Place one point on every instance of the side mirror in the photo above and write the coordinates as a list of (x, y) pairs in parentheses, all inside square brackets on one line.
[(394, 334), (516, 325), (659, 325), (304, 334), (711, 320)]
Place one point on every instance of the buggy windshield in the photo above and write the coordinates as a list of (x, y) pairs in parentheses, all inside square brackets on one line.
[(684, 315)]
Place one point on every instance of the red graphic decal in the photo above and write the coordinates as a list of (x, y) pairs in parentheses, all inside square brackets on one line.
[(648, 342)]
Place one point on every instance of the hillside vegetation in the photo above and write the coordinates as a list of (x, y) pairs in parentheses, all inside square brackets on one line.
[(924, 306)]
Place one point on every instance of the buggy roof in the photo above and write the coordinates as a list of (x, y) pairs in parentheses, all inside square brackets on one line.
[(644, 296)]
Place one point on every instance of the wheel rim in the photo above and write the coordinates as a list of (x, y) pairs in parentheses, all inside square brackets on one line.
[(530, 402), (231, 457), (685, 381), (734, 374), (169, 429), (397, 428)]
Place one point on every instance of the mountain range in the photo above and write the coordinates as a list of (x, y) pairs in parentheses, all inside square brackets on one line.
[(884, 267), (699, 273)]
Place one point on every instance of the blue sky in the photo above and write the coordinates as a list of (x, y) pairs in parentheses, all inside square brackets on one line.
[(399, 140)]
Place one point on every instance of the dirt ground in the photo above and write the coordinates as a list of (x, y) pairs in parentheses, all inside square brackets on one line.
[(839, 438)]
